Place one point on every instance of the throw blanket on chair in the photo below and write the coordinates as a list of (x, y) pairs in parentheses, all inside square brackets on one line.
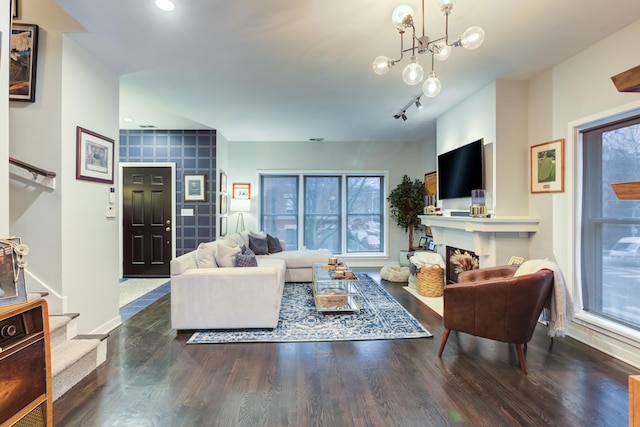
[(561, 308)]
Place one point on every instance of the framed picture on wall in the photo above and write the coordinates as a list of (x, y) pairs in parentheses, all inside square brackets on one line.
[(223, 204), (14, 8), (94, 156), (431, 187), (22, 62), (195, 188), (223, 226), (223, 182), (241, 191), (547, 167)]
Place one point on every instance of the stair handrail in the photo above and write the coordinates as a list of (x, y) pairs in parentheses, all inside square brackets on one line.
[(31, 168)]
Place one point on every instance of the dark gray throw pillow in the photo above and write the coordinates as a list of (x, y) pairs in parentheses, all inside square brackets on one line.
[(246, 261), (274, 244), (258, 246)]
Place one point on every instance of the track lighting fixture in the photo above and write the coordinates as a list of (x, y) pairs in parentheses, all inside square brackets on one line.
[(439, 48), (414, 101), (418, 104)]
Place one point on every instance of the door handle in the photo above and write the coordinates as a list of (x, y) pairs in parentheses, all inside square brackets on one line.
[(168, 229)]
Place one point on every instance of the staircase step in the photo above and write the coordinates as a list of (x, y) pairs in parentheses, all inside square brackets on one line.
[(62, 327), (72, 360)]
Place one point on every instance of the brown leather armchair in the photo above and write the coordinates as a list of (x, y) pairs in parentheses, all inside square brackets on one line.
[(491, 303)]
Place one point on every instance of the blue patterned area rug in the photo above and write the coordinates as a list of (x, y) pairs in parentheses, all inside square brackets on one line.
[(381, 317)]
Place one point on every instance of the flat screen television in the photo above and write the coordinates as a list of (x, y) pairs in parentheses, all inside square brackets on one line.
[(461, 170)]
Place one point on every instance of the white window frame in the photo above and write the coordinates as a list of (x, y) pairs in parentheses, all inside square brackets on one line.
[(612, 338), (344, 174)]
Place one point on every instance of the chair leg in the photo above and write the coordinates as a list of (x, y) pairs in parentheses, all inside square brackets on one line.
[(523, 366), (445, 337)]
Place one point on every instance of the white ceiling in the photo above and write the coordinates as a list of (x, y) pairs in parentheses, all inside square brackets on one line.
[(290, 70)]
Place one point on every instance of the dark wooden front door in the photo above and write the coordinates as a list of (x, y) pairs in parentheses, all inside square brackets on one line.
[(146, 221)]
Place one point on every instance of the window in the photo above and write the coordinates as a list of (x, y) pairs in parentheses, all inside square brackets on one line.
[(341, 212), (610, 226)]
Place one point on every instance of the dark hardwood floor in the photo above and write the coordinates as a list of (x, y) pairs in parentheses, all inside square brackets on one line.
[(152, 378)]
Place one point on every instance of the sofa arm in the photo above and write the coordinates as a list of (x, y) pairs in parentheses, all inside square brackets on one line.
[(490, 273), (183, 263)]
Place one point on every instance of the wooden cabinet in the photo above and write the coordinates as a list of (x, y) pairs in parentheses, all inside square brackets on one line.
[(25, 365)]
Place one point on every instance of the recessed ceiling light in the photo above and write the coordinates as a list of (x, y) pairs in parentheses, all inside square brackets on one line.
[(166, 5)]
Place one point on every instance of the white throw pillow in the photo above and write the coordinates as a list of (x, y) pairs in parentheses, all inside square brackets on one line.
[(226, 255), (205, 255)]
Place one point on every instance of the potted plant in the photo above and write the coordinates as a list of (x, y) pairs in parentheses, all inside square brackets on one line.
[(407, 202)]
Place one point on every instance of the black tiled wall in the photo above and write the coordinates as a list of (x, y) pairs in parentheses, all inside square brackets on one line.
[(193, 152)]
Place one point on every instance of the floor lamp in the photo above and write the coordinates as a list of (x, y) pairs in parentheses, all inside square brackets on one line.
[(241, 206)]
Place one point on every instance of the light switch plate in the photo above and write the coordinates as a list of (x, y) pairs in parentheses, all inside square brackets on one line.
[(111, 211)]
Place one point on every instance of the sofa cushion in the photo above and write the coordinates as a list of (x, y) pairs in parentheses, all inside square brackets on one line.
[(246, 261), (226, 255), (303, 258), (246, 250), (259, 246), (273, 244), (205, 255), (238, 239)]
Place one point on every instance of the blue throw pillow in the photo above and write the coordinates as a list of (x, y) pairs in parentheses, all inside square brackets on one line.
[(246, 261), (273, 244), (259, 246)]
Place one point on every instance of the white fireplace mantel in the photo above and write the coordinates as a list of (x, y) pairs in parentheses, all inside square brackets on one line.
[(494, 239)]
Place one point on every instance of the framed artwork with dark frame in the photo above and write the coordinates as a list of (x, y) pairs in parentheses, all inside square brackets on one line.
[(94, 156), (223, 204), (547, 167), (223, 226), (223, 182), (22, 64), (14, 8), (195, 188), (242, 191)]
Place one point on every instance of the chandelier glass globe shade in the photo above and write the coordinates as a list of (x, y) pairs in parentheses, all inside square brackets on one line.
[(431, 86), (413, 73), (399, 13), (381, 65), (472, 38), (442, 51)]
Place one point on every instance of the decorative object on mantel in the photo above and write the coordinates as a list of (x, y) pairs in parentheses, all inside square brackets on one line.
[(439, 48), (12, 264), (627, 190), (406, 202), (547, 167), (628, 81), (23, 62), (478, 204)]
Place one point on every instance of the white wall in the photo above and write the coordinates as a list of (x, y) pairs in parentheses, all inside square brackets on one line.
[(74, 248), (413, 159), (5, 30), (472, 119), (571, 91)]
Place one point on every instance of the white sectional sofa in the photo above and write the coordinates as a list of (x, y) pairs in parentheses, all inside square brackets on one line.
[(209, 292)]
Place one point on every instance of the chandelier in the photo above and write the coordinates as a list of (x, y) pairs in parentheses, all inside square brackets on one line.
[(439, 48)]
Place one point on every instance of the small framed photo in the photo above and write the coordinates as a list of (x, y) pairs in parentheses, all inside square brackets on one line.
[(23, 59), (14, 8), (431, 187), (223, 204), (223, 182), (223, 226), (516, 260), (12, 287), (423, 242), (547, 167), (94, 156), (195, 188), (242, 191)]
